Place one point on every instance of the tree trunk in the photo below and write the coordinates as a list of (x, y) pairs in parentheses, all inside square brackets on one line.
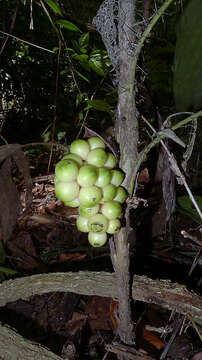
[(127, 137)]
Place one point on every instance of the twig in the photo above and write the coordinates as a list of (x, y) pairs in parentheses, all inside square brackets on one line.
[(126, 351), (65, 148), (157, 139), (197, 259), (87, 112), (194, 325), (55, 105), (11, 28), (27, 42), (61, 37), (149, 28), (195, 239), (175, 168), (43, 178), (3, 139), (172, 338)]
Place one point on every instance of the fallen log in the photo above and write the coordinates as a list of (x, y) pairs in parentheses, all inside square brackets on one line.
[(161, 292), (14, 347)]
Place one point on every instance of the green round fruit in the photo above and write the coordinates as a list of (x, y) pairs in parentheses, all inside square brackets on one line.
[(104, 177), (66, 170), (109, 192), (111, 210), (97, 157), (74, 203), (82, 224), (55, 180), (114, 226), (90, 196), (95, 142), (111, 161), (66, 191), (80, 147), (88, 211), (121, 195), (117, 177), (87, 175), (97, 239), (74, 157), (98, 223)]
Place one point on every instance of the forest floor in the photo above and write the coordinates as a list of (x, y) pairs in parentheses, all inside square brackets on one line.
[(46, 240)]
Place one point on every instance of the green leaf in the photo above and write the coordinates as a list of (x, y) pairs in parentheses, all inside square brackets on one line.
[(188, 53), (81, 116), (70, 50), (76, 45), (102, 54), (97, 66), (82, 57), (83, 60), (186, 204), (83, 50), (7, 271), (100, 105), (52, 4), (63, 72), (84, 40), (79, 99), (61, 135), (83, 77), (67, 24)]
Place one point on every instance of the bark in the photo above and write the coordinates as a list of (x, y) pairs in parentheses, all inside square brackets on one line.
[(161, 292), (120, 259), (127, 137), (127, 124), (14, 347)]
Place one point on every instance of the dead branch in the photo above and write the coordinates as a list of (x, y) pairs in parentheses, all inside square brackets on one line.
[(161, 292), (13, 347)]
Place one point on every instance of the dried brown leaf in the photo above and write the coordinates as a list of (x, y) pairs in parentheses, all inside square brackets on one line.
[(10, 205)]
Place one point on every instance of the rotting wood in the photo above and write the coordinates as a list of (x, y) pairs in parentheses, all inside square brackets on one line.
[(161, 292), (14, 347), (129, 352)]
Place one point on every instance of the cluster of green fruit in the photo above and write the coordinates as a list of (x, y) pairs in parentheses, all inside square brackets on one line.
[(86, 178)]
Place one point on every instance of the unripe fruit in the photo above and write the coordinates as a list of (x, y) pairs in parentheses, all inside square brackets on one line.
[(121, 195), (55, 180), (80, 147), (96, 142), (84, 179), (111, 161), (104, 177), (66, 170), (117, 177), (74, 203), (82, 224), (74, 157), (90, 196), (111, 210), (98, 223), (88, 211), (97, 239), (109, 192), (97, 157), (114, 226), (87, 175), (66, 191)]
